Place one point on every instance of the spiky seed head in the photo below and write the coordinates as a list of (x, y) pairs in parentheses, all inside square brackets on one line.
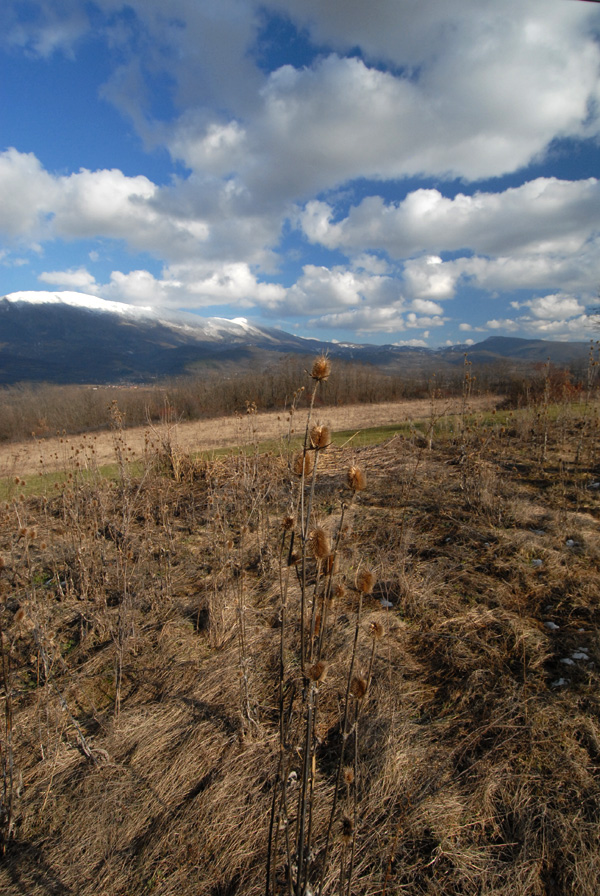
[(304, 463), (320, 436), (321, 369), (376, 631), (319, 544), (20, 616), (287, 523), (357, 480), (365, 581), (317, 671), (358, 687), (339, 590), (318, 620), (348, 774), (347, 829)]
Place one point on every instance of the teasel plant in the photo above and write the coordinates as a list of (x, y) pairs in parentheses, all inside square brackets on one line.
[(309, 556), (7, 795)]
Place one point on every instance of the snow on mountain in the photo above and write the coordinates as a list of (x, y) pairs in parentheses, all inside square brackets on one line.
[(76, 300), (211, 328)]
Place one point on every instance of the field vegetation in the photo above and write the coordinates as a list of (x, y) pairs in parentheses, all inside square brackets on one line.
[(44, 410), (317, 666)]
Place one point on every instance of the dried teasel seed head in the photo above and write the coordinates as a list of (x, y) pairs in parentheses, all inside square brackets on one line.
[(318, 621), (356, 479), (348, 775), (304, 463), (376, 631), (358, 687), (365, 581), (320, 436), (317, 671), (287, 523), (339, 590), (321, 369), (347, 829), (319, 543)]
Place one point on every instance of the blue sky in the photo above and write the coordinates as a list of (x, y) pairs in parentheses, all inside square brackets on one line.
[(406, 172)]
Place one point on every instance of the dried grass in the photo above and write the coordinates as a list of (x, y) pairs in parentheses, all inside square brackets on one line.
[(476, 768)]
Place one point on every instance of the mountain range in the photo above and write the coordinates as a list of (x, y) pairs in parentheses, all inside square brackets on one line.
[(69, 337)]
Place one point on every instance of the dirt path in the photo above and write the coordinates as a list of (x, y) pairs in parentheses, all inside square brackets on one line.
[(49, 455)]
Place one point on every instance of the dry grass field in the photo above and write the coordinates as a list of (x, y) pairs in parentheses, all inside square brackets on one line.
[(25, 458), (337, 670)]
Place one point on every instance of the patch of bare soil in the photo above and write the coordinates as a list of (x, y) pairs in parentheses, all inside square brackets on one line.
[(52, 454), (193, 705)]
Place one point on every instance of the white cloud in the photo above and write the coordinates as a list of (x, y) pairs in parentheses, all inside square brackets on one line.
[(194, 286), (505, 324), (413, 343), (413, 320), (427, 277), (178, 222), (452, 88), (324, 289), (52, 27), (544, 215), (553, 307), (71, 279), (28, 195), (580, 328), (423, 306), (363, 320)]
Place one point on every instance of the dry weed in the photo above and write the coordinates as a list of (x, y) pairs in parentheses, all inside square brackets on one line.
[(413, 670)]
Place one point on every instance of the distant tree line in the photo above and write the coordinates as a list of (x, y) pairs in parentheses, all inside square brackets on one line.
[(43, 410)]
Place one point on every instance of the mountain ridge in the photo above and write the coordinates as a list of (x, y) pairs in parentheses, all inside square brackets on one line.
[(69, 337)]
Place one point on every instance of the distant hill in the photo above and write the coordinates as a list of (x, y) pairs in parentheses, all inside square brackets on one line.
[(68, 337)]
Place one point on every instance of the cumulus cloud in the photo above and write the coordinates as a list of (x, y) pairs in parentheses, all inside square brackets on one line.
[(333, 289), (175, 222), (448, 89), (363, 320), (71, 279), (451, 109), (505, 324), (543, 215), (194, 286), (428, 278), (28, 196), (553, 307)]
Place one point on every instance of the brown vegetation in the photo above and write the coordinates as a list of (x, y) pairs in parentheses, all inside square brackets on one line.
[(42, 410), (375, 675)]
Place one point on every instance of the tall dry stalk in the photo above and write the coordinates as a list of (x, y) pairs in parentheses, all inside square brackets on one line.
[(309, 557)]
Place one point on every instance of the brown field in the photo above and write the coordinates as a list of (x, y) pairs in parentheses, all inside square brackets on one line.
[(54, 453), (221, 678)]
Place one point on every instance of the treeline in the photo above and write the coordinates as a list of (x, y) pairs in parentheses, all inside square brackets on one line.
[(42, 410)]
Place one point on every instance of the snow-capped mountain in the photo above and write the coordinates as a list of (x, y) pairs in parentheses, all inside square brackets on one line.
[(75, 300), (211, 328), (70, 337), (73, 337)]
